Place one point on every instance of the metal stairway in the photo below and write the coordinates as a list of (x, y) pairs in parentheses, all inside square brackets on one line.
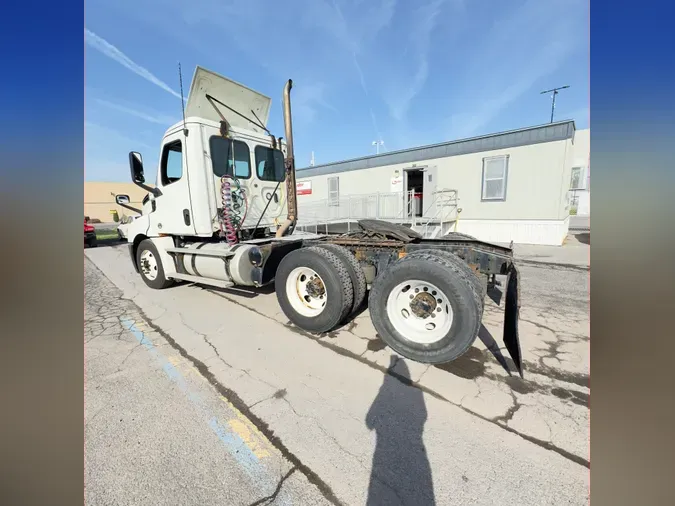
[(339, 215)]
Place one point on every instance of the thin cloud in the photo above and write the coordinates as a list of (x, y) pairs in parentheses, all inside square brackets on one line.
[(159, 119), (425, 20), (98, 134), (353, 39), (308, 97), (509, 53), (102, 45)]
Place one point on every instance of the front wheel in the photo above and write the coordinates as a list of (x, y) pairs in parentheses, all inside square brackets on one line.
[(150, 266), (426, 308)]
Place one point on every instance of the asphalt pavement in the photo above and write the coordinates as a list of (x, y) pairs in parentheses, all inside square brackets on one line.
[(350, 420), (156, 431)]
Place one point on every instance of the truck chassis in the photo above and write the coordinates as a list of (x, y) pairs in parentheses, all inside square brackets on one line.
[(426, 296), (344, 266)]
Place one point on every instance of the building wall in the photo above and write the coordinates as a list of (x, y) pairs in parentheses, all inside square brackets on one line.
[(535, 189), (582, 158), (98, 201)]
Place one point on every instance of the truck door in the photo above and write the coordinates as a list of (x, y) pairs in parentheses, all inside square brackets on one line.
[(173, 209), (271, 173)]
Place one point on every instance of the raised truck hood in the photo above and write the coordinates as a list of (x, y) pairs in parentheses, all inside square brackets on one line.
[(234, 95)]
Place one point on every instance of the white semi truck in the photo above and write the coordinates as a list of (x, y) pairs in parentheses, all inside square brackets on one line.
[(223, 212)]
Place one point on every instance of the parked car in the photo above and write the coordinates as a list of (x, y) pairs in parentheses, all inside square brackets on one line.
[(124, 225), (89, 234)]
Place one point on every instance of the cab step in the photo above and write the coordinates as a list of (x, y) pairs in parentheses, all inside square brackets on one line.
[(199, 279)]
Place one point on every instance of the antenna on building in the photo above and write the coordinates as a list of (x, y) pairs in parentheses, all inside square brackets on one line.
[(377, 145), (311, 161), (555, 92)]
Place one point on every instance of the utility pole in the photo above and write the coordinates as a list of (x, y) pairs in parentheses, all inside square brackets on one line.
[(555, 92), (311, 161), (377, 145)]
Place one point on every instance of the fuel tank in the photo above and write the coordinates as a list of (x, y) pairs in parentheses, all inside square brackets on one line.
[(234, 265)]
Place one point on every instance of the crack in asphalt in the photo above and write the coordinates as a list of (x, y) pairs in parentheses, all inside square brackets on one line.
[(233, 398), (272, 497), (408, 382), (239, 404), (275, 440)]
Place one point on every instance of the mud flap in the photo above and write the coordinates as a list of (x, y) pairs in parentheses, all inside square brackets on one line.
[(511, 313)]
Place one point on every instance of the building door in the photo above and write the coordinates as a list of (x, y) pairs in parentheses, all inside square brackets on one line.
[(413, 182), (429, 187)]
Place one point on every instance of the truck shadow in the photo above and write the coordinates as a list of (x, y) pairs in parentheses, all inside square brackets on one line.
[(401, 472), (472, 364), (248, 292)]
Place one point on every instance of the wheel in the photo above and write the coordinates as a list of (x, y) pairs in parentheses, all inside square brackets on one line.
[(459, 235), (314, 289), (150, 266), (92, 243), (479, 280), (426, 307), (355, 272)]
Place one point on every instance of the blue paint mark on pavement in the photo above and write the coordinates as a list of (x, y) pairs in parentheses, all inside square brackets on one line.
[(230, 440)]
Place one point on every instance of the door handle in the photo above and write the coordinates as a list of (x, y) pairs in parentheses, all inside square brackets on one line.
[(186, 217)]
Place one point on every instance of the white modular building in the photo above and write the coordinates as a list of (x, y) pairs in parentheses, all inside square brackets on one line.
[(502, 187), (580, 180)]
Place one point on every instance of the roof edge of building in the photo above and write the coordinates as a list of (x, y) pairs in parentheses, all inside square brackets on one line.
[(550, 132)]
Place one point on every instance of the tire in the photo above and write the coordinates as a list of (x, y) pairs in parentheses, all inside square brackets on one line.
[(355, 273), (479, 280), (159, 281), (92, 243), (312, 315), (460, 314), (459, 235)]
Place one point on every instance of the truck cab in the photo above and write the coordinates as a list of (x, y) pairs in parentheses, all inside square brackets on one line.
[(222, 138)]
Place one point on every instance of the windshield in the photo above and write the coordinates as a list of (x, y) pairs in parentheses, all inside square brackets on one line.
[(225, 153), (270, 164)]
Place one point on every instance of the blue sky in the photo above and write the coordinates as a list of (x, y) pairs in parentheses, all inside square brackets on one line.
[(408, 72)]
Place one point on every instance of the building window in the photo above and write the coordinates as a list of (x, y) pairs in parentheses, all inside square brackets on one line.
[(495, 172), (270, 163), (577, 180), (333, 191), (226, 153), (172, 163)]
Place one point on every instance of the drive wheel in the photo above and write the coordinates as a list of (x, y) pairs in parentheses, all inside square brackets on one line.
[(355, 271), (150, 266), (426, 307), (459, 235), (314, 289), (479, 280)]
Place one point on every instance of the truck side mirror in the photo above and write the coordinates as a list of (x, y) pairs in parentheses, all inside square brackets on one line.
[(136, 166), (124, 201)]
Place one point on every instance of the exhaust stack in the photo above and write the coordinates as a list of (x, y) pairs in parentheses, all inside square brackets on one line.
[(291, 199)]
